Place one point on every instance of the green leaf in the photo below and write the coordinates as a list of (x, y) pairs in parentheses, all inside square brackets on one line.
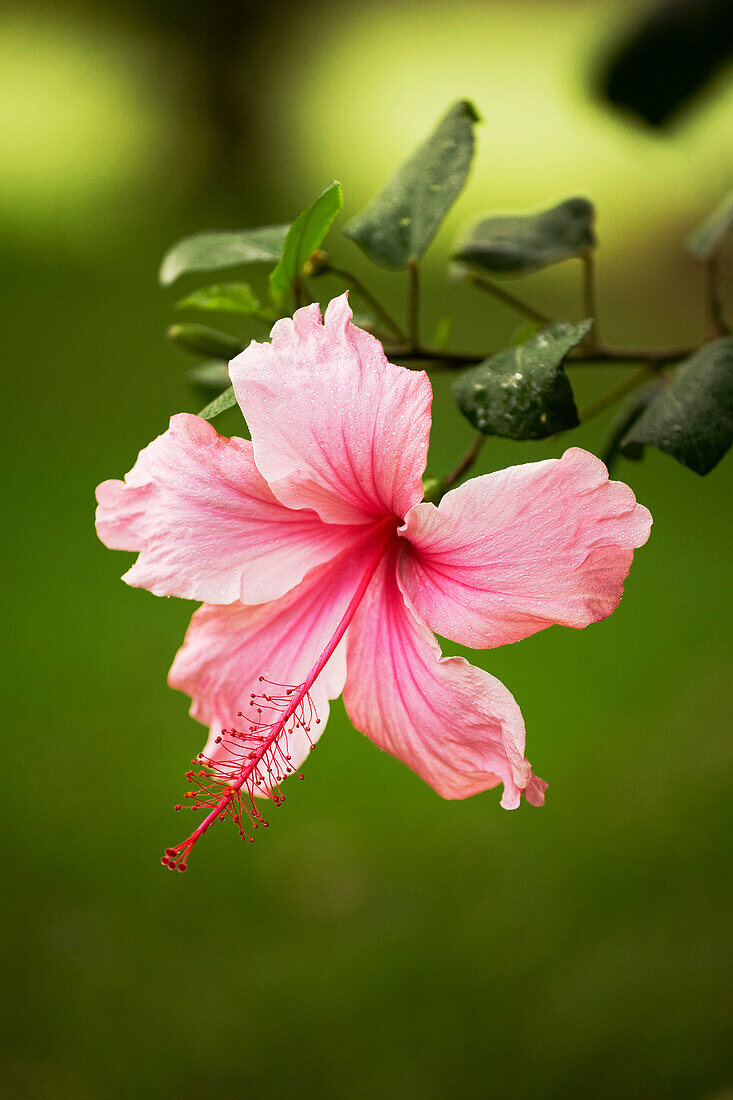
[(708, 238), (213, 251), (527, 242), (692, 418), (399, 224), (523, 392), (219, 405), (211, 375), (442, 334), (305, 235), (202, 340), (224, 298)]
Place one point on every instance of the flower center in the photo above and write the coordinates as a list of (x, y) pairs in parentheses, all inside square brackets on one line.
[(257, 758)]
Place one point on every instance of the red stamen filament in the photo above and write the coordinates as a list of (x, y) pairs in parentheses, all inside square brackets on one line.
[(257, 758)]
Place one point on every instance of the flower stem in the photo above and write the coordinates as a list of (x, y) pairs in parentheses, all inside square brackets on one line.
[(366, 295), (713, 298), (590, 305), (502, 295), (616, 393), (622, 357), (413, 305), (465, 464)]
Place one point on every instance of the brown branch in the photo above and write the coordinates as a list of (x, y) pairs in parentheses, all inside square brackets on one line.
[(502, 295)]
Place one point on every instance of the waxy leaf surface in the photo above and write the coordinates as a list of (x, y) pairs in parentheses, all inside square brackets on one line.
[(305, 235), (211, 375), (202, 340), (219, 405), (214, 251), (692, 418), (399, 224), (525, 242), (224, 298), (523, 392)]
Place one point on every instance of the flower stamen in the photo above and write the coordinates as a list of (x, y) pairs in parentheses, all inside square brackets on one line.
[(257, 758)]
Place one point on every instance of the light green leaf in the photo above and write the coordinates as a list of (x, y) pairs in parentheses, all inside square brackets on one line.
[(708, 238), (442, 334), (219, 405), (214, 251), (211, 375), (399, 224), (224, 298), (526, 242), (305, 235), (691, 419), (202, 340), (523, 392)]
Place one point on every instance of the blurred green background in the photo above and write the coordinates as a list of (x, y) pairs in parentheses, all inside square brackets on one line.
[(376, 941)]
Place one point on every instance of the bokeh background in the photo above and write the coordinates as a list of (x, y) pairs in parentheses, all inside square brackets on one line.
[(376, 940)]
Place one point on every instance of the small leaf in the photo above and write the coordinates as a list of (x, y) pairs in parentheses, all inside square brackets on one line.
[(305, 235), (442, 334), (219, 405), (224, 298), (202, 340), (692, 418), (213, 251), (527, 242), (710, 236), (523, 392), (399, 224), (211, 375)]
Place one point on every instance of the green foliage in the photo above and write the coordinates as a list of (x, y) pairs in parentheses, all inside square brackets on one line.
[(214, 251), (224, 298), (691, 419), (399, 224), (526, 242), (523, 392), (210, 375), (220, 404), (202, 340), (520, 393), (305, 235), (710, 236)]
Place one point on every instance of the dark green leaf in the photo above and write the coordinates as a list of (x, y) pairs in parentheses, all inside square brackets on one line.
[(211, 375), (523, 392), (526, 242), (202, 340), (399, 224), (708, 238), (224, 298), (214, 251), (219, 405), (692, 417), (305, 235)]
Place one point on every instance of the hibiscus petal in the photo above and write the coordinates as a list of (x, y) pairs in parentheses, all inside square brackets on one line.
[(206, 524), (227, 649), (455, 725), (335, 426), (510, 553)]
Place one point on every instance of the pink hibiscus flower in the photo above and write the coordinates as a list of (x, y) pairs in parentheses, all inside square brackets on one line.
[(322, 572)]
